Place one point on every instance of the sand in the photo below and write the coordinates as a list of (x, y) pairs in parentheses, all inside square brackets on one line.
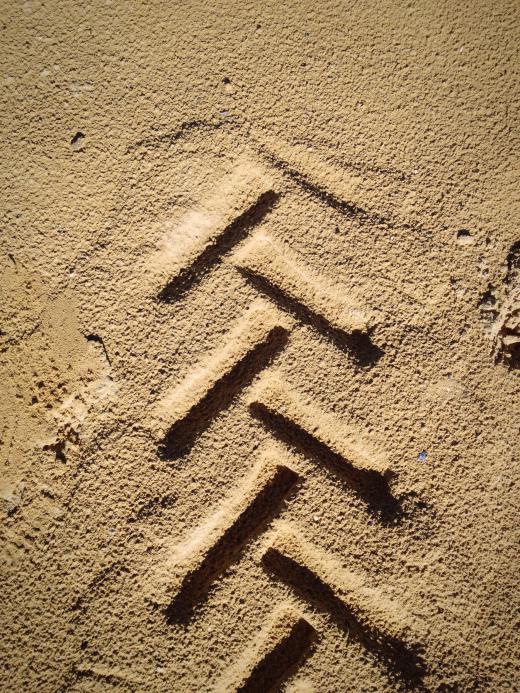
[(259, 347)]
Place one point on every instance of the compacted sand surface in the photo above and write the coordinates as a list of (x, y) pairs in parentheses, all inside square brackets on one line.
[(260, 346)]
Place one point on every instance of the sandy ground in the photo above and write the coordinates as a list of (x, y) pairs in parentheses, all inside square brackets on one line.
[(259, 346)]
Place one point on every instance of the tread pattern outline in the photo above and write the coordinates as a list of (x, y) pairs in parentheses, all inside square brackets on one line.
[(307, 297)]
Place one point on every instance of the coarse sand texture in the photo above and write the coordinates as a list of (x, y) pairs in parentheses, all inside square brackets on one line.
[(260, 347)]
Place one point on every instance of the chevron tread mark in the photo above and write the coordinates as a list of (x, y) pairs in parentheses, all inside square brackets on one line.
[(348, 194), (261, 256), (325, 441), (341, 440), (185, 573), (377, 623), (277, 273), (185, 576), (204, 235), (188, 408), (273, 656)]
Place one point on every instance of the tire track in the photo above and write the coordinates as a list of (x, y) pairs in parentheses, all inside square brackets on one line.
[(277, 651), (377, 623), (187, 409), (186, 574)]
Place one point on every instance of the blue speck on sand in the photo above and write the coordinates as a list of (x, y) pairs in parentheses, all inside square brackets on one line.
[(422, 456)]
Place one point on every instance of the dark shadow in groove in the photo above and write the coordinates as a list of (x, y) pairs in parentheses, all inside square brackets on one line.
[(370, 485), (99, 340), (211, 256), (400, 661), (346, 208), (227, 549), (182, 435), (282, 661), (358, 345)]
